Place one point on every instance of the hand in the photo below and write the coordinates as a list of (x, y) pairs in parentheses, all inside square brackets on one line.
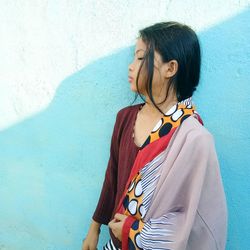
[(116, 225), (91, 240)]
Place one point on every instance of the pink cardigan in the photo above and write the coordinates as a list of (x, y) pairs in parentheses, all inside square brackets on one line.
[(189, 197)]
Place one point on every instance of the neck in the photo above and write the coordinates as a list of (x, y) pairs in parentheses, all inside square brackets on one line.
[(165, 106)]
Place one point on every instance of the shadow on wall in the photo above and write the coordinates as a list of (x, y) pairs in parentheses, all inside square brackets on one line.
[(53, 164)]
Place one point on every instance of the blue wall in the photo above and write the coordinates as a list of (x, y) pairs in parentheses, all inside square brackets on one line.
[(53, 164), (224, 100)]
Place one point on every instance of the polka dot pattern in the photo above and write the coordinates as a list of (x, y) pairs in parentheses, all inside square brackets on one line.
[(132, 207), (177, 114), (158, 125), (165, 129), (142, 210), (138, 189), (171, 119), (138, 241)]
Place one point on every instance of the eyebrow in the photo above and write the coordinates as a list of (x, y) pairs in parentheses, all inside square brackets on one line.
[(138, 51)]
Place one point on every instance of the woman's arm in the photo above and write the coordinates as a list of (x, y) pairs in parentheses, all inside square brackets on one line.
[(105, 205), (91, 240)]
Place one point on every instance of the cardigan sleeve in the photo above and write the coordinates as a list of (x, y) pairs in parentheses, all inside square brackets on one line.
[(105, 205), (171, 230)]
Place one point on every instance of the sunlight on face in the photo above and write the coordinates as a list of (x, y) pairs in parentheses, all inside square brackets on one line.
[(139, 53)]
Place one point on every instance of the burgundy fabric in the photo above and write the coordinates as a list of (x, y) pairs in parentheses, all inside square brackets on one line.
[(123, 152)]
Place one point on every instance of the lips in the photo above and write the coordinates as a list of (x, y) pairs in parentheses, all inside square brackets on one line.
[(130, 79)]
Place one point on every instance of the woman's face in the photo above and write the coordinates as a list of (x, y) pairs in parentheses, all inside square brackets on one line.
[(133, 69)]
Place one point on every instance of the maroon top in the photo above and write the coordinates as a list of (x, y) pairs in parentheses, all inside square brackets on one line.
[(123, 152)]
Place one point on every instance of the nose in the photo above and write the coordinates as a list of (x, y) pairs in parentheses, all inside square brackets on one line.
[(130, 67)]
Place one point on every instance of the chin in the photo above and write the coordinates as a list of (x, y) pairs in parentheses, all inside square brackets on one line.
[(133, 88)]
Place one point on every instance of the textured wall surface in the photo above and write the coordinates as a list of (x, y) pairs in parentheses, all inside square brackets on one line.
[(63, 77)]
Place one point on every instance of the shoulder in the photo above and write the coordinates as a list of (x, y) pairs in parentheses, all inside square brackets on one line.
[(127, 111), (124, 117), (195, 132)]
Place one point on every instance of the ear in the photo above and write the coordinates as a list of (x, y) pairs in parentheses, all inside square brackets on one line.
[(170, 68)]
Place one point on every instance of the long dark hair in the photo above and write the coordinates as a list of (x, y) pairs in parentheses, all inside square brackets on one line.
[(173, 41)]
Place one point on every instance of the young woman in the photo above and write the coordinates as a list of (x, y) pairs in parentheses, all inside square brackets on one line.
[(162, 187)]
